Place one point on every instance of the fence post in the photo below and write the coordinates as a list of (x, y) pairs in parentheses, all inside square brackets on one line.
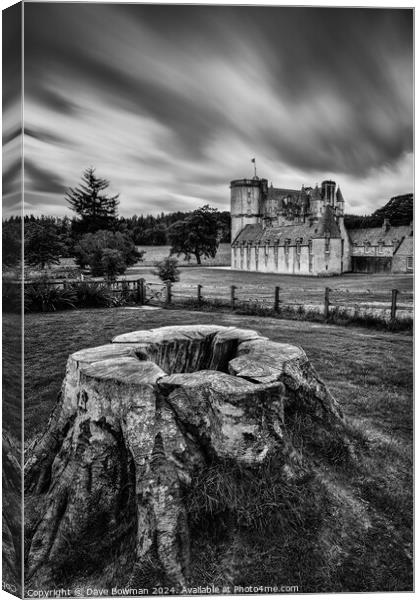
[(140, 291), (232, 296), (276, 298), (394, 304), (168, 292), (199, 296), (327, 302)]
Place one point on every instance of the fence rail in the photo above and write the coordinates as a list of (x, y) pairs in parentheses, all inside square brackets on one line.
[(391, 304)]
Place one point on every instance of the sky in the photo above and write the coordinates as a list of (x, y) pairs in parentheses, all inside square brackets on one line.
[(171, 103)]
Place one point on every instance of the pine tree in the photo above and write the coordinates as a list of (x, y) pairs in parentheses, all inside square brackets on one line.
[(96, 209), (42, 243)]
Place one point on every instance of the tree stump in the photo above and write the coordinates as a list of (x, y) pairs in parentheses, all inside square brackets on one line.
[(135, 420)]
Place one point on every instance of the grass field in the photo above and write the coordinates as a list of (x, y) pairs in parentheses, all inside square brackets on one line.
[(349, 288), (370, 374), (154, 253)]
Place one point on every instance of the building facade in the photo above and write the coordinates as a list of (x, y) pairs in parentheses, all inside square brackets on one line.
[(302, 232)]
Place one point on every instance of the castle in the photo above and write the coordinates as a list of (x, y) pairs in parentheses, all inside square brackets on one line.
[(302, 232)]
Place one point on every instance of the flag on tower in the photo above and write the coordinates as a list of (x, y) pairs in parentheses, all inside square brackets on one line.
[(255, 166)]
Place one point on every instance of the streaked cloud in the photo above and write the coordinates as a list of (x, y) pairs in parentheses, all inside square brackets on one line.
[(171, 102)]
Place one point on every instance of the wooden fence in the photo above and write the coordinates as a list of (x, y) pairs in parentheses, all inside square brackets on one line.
[(277, 298), (392, 302)]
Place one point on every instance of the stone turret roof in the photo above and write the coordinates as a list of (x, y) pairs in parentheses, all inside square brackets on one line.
[(316, 193), (339, 196)]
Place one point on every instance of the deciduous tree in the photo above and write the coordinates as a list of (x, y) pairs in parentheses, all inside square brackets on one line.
[(197, 235), (106, 252)]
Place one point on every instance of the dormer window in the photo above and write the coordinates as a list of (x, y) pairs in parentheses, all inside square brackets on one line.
[(381, 245), (367, 245)]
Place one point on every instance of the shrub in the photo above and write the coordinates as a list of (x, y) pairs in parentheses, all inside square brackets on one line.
[(41, 296), (112, 263), (107, 253), (11, 296), (92, 295), (167, 269)]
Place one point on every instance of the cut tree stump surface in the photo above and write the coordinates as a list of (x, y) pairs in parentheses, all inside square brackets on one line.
[(136, 420)]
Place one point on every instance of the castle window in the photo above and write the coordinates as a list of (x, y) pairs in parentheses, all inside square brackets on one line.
[(327, 243), (298, 245), (286, 246), (310, 246)]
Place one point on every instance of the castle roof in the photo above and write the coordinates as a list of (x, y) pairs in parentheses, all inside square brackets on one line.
[(374, 235), (316, 193), (257, 234), (281, 193), (407, 247), (339, 196)]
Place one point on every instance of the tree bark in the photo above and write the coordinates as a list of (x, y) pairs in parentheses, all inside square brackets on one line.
[(135, 420)]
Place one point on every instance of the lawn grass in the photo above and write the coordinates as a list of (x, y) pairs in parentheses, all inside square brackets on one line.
[(155, 253), (370, 374)]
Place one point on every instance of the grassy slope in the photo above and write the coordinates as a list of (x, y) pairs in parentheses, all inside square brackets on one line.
[(370, 373)]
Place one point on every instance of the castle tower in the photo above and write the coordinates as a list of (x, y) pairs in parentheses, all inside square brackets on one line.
[(316, 203), (328, 192), (246, 202), (340, 203)]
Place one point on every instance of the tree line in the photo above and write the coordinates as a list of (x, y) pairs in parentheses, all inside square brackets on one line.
[(99, 238)]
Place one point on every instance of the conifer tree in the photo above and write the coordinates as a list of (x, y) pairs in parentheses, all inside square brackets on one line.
[(96, 209)]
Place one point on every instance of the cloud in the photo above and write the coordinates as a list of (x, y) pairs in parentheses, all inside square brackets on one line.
[(40, 180), (171, 102)]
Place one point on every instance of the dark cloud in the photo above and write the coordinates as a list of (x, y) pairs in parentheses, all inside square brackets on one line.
[(45, 136), (42, 180), (11, 178), (172, 101), (12, 54), (9, 135)]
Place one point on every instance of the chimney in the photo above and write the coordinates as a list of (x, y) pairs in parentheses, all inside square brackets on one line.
[(386, 225)]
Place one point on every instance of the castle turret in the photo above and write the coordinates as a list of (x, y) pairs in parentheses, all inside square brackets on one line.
[(328, 192), (316, 203), (339, 203), (246, 202)]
